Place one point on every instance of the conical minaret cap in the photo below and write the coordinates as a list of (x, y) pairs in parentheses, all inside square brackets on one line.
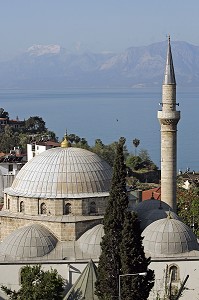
[(169, 76)]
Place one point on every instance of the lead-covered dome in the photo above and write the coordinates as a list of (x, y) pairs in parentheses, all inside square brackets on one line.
[(151, 204), (154, 215), (90, 241), (167, 237), (26, 242), (63, 173)]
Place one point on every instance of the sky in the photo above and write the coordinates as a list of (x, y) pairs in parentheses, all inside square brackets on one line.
[(95, 25)]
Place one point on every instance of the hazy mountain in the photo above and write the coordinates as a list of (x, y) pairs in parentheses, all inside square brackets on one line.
[(52, 66)]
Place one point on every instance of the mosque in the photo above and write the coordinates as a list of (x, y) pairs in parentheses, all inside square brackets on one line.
[(53, 214)]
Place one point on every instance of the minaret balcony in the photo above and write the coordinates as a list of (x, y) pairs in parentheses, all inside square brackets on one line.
[(169, 117)]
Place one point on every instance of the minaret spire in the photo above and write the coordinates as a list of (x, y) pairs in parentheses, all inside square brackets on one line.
[(168, 118), (169, 75)]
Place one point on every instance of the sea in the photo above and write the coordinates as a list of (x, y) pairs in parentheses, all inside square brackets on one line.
[(109, 114)]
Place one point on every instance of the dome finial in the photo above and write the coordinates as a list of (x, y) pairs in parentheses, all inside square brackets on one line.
[(169, 215), (65, 143)]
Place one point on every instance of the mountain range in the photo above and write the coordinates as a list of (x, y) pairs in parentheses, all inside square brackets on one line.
[(52, 67)]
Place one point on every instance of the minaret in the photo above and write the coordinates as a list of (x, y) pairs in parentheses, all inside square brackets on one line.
[(168, 118)]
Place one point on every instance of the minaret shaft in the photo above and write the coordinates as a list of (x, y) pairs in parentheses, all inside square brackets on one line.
[(168, 118)]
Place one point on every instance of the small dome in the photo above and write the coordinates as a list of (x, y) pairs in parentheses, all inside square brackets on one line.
[(90, 241), (168, 236), (63, 173), (147, 205), (154, 215), (28, 242)]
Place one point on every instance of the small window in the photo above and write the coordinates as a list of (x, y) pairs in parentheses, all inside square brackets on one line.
[(10, 168), (92, 208), (21, 206), (67, 209), (174, 274), (43, 209)]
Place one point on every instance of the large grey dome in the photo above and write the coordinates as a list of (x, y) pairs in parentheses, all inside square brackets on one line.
[(154, 215), (90, 241), (147, 205), (28, 242), (167, 237), (63, 173)]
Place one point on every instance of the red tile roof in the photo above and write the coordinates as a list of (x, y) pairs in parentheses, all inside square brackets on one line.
[(154, 193)]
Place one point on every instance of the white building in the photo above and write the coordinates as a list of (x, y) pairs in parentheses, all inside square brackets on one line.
[(10, 165), (36, 148)]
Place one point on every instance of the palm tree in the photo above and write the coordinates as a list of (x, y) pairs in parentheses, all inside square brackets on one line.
[(136, 143)]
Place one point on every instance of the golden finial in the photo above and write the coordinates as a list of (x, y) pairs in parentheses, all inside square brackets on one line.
[(65, 143), (169, 216)]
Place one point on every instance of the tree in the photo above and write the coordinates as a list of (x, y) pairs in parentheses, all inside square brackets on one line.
[(133, 162), (37, 284), (133, 261), (188, 207), (3, 113), (144, 155), (35, 125), (107, 152), (136, 143), (7, 139), (83, 144), (109, 262), (141, 161)]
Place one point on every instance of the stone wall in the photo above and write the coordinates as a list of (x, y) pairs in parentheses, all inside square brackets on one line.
[(55, 207), (64, 231)]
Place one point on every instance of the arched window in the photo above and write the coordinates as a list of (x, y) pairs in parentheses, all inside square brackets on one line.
[(92, 208), (67, 209), (43, 209), (21, 206), (174, 273)]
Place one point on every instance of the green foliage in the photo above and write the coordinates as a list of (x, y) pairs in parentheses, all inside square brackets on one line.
[(133, 261), (78, 142), (23, 140), (133, 162), (109, 263), (35, 125), (37, 284), (7, 139), (136, 142), (116, 256), (13, 137), (140, 161), (188, 207), (107, 152), (3, 113), (73, 138), (144, 155)]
